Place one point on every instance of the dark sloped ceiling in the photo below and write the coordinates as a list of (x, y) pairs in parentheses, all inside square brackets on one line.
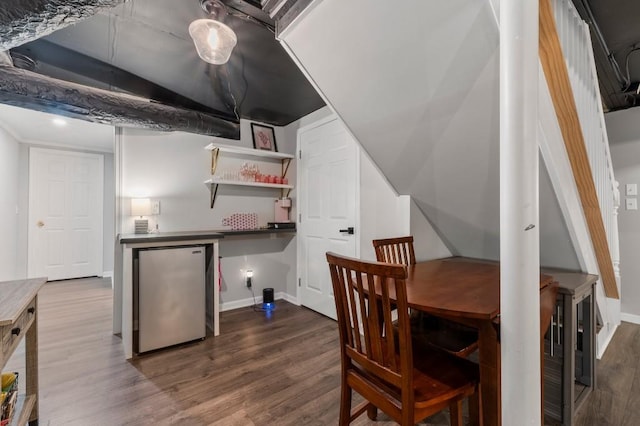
[(142, 47), (617, 22)]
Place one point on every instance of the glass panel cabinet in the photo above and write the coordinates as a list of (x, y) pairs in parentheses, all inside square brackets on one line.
[(570, 347)]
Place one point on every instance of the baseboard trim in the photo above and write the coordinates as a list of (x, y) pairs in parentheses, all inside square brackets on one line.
[(291, 299), (243, 303), (634, 319), (108, 274), (602, 348)]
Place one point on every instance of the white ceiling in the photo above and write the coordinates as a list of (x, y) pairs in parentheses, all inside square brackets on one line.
[(36, 127)]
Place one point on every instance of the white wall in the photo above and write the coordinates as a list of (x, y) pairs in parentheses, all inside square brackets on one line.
[(384, 214), (171, 168), (431, 125), (108, 225), (427, 243), (624, 137), (9, 153)]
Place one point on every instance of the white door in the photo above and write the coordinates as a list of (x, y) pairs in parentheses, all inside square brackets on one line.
[(328, 188), (65, 214)]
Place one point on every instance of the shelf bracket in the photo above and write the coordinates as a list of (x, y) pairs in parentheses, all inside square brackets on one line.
[(214, 160), (214, 192), (285, 166)]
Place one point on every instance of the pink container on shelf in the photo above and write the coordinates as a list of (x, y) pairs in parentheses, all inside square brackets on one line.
[(239, 221), (278, 180), (285, 181)]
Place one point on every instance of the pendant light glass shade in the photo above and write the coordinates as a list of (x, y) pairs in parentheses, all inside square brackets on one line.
[(214, 40)]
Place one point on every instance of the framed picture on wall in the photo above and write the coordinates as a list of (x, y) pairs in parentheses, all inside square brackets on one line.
[(264, 137)]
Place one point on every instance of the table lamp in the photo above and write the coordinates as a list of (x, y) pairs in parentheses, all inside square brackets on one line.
[(141, 207)]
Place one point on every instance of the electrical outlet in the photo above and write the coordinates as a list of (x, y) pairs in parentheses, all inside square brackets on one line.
[(632, 204), (632, 189), (155, 207), (248, 275)]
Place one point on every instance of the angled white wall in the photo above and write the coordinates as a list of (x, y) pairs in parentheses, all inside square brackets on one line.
[(385, 214), (416, 82)]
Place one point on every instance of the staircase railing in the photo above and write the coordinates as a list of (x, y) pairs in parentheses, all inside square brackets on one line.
[(575, 40), (576, 44)]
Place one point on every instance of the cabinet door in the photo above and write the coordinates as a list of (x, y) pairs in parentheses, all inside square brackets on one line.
[(553, 382), (554, 365)]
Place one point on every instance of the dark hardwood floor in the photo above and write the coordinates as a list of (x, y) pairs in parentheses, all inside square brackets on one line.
[(261, 370), (616, 399)]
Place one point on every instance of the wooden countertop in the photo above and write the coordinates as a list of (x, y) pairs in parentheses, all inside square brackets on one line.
[(169, 236), (571, 282), (15, 296), (195, 235)]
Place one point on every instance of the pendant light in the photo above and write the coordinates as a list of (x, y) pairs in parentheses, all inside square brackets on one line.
[(214, 40)]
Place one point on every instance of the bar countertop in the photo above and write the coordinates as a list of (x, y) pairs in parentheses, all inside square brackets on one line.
[(195, 235)]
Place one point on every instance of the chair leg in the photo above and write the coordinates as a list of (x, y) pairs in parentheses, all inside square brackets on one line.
[(474, 408), (407, 418), (345, 404), (455, 413), (372, 412)]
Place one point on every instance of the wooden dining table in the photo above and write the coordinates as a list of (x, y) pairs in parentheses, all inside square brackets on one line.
[(466, 291)]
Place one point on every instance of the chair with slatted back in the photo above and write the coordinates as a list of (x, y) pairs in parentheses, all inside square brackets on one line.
[(455, 338), (395, 250), (378, 360)]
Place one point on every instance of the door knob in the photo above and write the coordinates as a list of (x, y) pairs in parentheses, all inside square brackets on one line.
[(40, 224), (349, 230)]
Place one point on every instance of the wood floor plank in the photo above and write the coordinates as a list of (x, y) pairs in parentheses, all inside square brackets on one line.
[(280, 370), (617, 380)]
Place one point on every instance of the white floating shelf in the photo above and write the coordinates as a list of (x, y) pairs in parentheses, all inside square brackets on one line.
[(243, 183), (249, 151)]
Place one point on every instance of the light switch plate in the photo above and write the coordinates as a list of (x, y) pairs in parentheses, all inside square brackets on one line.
[(632, 203), (155, 207), (632, 189)]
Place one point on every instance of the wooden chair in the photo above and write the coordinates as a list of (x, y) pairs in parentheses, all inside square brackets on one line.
[(455, 338), (379, 363), (395, 250)]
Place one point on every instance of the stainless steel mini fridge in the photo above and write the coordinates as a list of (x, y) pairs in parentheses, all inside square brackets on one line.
[(171, 297)]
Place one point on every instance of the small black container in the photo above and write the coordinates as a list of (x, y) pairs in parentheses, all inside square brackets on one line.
[(267, 295)]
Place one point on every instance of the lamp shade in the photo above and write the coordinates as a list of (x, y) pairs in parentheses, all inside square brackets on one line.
[(140, 207), (214, 40)]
